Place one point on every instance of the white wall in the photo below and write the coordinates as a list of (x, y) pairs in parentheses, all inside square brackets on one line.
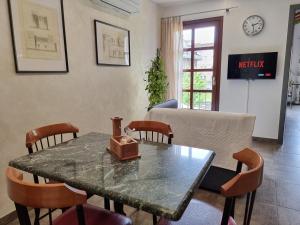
[(265, 95), (88, 95)]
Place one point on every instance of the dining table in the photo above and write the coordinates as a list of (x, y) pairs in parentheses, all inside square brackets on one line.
[(162, 181)]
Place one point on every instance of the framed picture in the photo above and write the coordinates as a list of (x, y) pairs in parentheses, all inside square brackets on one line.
[(38, 34), (112, 44)]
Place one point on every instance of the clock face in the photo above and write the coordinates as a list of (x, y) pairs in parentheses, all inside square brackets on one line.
[(253, 25)]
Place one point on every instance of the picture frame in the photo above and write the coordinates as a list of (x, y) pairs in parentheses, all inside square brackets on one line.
[(112, 44), (38, 36)]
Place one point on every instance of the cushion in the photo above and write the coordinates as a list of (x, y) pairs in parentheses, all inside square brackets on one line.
[(93, 216), (198, 213), (172, 103), (215, 178)]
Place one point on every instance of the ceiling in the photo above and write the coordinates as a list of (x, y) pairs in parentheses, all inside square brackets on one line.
[(177, 2)]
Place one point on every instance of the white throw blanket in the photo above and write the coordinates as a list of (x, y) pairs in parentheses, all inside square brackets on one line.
[(224, 133)]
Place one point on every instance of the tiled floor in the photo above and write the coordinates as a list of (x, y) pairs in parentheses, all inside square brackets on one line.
[(278, 199)]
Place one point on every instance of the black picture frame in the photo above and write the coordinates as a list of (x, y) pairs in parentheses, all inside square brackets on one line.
[(98, 61), (64, 40)]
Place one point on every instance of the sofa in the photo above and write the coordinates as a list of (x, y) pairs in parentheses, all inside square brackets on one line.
[(224, 133), (171, 103)]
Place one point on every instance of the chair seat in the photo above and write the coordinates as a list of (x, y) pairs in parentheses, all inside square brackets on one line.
[(215, 178), (198, 213), (93, 216)]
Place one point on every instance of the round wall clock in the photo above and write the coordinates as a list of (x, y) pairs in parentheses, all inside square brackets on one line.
[(253, 25)]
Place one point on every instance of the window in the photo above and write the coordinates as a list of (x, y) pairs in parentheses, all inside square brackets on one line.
[(201, 63)]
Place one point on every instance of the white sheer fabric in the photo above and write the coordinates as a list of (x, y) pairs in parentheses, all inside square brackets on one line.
[(171, 52)]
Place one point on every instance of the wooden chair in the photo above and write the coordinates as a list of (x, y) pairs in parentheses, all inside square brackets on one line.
[(37, 136), (245, 182), (25, 194), (154, 131), (47, 136)]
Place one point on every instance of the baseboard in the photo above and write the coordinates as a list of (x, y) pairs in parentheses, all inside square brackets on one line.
[(8, 218), (266, 140)]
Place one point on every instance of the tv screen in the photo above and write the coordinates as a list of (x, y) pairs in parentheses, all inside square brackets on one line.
[(252, 66)]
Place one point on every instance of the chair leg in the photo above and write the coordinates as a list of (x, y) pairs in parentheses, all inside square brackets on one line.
[(50, 216), (106, 203), (227, 211), (251, 207), (232, 207), (80, 215), (22, 215), (63, 210), (154, 219), (119, 208), (246, 209), (37, 216)]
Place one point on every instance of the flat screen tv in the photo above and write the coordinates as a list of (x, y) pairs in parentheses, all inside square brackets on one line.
[(252, 66)]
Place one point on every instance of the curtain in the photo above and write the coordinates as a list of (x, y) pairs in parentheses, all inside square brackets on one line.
[(171, 52)]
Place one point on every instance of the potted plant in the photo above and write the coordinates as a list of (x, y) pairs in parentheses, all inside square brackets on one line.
[(157, 83)]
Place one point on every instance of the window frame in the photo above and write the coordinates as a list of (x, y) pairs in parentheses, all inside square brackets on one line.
[(217, 22)]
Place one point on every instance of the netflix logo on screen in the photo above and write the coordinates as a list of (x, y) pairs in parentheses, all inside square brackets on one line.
[(252, 66)]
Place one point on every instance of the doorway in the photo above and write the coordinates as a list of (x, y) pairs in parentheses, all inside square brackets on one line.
[(202, 44), (291, 80)]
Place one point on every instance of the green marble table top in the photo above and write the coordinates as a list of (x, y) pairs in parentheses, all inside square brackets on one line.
[(161, 182)]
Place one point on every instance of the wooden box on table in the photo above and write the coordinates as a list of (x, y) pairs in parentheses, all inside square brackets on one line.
[(124, 151)]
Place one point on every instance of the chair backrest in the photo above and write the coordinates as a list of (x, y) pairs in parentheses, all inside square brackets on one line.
[(245, 182), (157, 130), (41, 195), (38, 134)]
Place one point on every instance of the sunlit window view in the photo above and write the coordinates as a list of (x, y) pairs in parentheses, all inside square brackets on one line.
[(204, 59), (187, 38), (204, 37), (198, 67)]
